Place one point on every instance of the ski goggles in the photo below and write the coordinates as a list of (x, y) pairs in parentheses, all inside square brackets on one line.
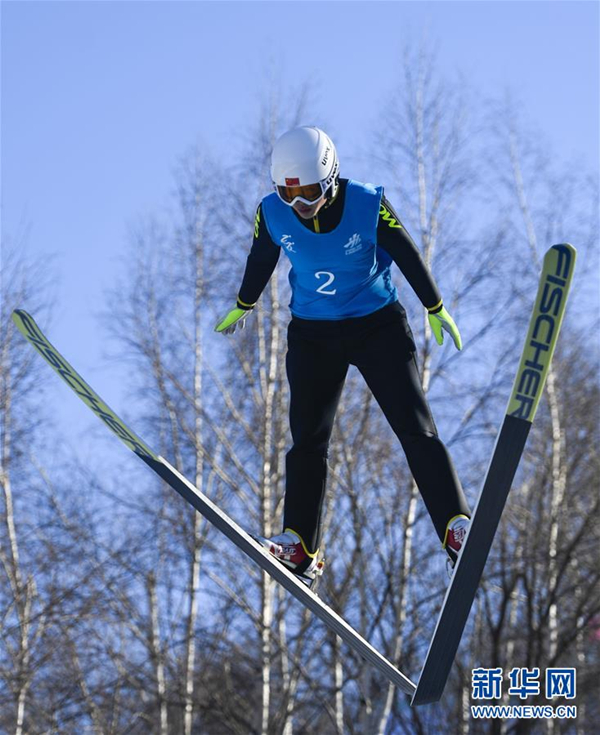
[(307, 194)]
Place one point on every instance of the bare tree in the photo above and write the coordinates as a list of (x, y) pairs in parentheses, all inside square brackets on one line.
[(20, 283)]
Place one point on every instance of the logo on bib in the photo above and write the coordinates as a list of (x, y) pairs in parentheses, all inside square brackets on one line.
[(288, 243), (353, 245)]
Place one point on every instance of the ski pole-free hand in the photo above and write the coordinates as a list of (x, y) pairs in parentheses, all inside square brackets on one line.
[(232, 320), (441, 320)]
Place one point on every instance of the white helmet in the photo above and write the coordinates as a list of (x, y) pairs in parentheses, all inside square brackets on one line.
[(304, 166)]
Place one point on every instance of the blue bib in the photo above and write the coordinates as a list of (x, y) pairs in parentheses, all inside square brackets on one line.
[(337, 274)]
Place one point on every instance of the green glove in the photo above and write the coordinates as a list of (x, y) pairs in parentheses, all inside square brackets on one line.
[(442, 320), (229, 323)]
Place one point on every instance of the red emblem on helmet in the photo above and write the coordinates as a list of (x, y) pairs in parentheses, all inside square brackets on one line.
[(292, 182)]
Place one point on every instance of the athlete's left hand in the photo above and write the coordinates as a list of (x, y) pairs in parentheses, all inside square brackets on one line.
[(440, 321)]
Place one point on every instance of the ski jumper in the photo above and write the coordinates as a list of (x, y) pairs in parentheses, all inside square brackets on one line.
[(345, 311)]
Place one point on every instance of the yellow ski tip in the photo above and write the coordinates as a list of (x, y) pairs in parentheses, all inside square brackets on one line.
[(544, 328)]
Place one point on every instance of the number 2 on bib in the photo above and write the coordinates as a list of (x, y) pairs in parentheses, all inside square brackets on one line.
[(330, 279)]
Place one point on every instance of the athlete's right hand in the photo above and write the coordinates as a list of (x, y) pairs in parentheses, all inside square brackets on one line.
[(232, 320)]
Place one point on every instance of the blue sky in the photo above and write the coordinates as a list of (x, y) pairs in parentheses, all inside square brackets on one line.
[(99, 99)]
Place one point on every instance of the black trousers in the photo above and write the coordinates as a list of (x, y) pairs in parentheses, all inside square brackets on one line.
[(381, 346)]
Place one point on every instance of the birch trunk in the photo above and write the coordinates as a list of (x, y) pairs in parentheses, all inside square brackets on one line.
[(21, 592), (197, 543), (268, 359), (339, 681), (157, 656), (559, 482), (428, 236), (288, 725)]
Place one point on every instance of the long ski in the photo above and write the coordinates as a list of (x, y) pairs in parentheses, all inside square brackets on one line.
[(206, 507), (544, 327)]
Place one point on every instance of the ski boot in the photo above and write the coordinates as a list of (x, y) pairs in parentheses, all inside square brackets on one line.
[(289, 549), (456, 532)]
